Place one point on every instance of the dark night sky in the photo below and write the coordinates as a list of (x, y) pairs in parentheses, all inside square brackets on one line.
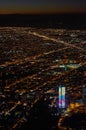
[(42, 6)]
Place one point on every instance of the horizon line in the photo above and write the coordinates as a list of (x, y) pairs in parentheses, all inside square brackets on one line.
[(58, 13)]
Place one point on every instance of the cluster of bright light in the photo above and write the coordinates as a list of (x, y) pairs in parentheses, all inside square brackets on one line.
[(61, 97)]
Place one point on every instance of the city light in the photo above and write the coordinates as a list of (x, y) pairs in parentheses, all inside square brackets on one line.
[(61, 97)]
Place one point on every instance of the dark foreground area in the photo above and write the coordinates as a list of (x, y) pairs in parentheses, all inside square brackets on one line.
[(40, 118), (77, 121)]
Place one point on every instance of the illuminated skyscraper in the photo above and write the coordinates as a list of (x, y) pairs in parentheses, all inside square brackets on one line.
[(61, 97)]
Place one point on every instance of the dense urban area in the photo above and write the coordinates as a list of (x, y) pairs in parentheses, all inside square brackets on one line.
[(34, 62)]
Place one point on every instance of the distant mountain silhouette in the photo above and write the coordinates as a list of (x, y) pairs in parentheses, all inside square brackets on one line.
[(69, 21)]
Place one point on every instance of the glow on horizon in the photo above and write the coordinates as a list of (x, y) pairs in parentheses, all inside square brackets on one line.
[(37, 11), (42, 6)]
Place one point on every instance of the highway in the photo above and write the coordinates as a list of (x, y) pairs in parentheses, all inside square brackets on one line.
[(56, 40)]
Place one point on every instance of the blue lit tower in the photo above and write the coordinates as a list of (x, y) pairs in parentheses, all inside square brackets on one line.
[(61, 102)]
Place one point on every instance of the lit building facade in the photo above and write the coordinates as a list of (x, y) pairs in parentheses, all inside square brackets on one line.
[(62, 97)]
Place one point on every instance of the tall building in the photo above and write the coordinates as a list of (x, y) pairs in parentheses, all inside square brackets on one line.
[(2, 82), (84, 94), (62, 97)]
